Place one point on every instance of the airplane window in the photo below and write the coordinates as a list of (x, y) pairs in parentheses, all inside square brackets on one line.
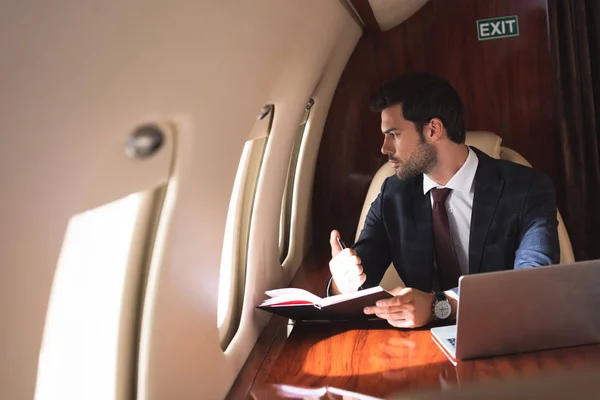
[(232, 279), (94, 300), (288, 201)]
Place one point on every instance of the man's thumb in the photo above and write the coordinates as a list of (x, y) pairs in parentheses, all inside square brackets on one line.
[(333, 241)]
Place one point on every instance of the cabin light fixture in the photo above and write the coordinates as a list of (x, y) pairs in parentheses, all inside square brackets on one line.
[(145, 141), (311, 103), (264, 112)]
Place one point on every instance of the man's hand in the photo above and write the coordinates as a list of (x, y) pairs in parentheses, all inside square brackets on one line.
[(409, 308), (345, 268)]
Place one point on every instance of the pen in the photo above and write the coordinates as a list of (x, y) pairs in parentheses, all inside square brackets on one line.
[(343, 246)]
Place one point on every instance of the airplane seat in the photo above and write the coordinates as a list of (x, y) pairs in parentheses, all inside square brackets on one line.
[(489, 143)]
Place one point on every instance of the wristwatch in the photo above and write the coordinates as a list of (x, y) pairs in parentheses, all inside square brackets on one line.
[(441, 306)]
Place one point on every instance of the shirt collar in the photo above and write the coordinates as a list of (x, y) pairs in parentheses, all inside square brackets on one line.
[(462, 179)]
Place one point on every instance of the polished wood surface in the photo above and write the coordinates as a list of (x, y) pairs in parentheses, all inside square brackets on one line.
[(375, 359), (506, 85)]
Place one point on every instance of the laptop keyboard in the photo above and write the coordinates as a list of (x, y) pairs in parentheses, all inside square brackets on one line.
[(452, 341)]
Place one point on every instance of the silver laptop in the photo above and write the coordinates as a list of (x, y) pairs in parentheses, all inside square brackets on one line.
[(524, 310)]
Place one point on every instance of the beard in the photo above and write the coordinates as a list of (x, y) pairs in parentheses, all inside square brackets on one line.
[(422, 161)]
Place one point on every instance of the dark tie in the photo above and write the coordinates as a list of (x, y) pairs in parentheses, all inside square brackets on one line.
[(447, 264)]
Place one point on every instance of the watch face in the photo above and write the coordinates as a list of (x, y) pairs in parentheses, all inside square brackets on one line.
[(442, 309)]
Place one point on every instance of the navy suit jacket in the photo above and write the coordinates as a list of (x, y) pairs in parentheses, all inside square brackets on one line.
[(513, 225)]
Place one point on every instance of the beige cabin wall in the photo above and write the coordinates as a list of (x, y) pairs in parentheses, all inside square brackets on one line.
[(76, 78)]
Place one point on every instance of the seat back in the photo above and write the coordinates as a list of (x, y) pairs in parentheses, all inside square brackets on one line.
[(489, 143)]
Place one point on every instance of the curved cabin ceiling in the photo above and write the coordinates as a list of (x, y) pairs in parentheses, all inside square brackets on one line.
[(391, 13)]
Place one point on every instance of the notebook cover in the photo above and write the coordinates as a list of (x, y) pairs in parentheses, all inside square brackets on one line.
[(348, 310)]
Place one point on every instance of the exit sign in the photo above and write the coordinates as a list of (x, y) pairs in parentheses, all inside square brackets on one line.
[(496, 28)]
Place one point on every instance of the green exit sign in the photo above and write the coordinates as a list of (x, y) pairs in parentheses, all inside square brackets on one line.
[(496, 28)]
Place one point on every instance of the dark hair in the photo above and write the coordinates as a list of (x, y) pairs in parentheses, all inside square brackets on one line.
[(424, 97)]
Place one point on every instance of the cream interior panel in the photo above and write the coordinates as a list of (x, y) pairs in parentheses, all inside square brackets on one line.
[(264, 235), (307, 159), (68, 105), (391, 13), (181, 355), (76, 78)]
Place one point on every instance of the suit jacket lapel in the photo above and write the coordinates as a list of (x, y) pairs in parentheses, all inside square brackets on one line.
[(488, 188), (421, 206)]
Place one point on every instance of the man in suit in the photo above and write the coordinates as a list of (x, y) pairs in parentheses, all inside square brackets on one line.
[(451, 210)]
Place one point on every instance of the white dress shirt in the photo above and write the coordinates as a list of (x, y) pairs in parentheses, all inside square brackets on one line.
[(459, 205)]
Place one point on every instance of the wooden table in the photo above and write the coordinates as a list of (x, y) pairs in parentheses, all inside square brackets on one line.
[(375, 359)]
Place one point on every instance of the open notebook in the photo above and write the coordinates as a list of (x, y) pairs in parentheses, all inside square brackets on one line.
[(301, 305)]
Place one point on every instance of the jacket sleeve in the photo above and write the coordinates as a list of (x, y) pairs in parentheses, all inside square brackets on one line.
[(539, 234), (373, 245)]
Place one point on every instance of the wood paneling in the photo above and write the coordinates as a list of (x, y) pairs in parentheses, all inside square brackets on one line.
[(506, 86)]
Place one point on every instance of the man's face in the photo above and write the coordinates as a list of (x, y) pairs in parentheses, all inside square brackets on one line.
[(407, 150)]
